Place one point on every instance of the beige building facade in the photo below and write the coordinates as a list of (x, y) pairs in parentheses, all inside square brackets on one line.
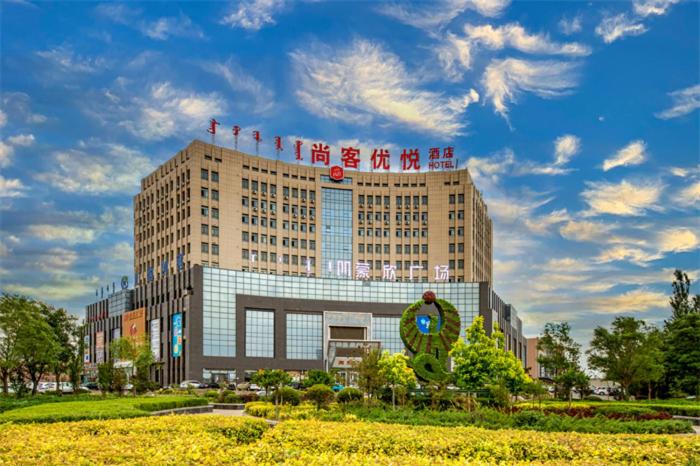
[(218, 207)]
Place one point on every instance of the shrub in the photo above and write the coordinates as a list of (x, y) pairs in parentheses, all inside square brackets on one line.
[(592, 398), (349, 395), (231, 398), (211, 394), (247, 397), (287, 395), (320, 395)]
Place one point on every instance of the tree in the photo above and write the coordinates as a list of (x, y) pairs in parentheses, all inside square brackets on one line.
[(680, 302), (36, 343), (482, 360), (316, 376), (105, 376), (272, 378), (63, 326), (681, 345), (76, 362), (651, 360), (395, 371), (369, 377), (558, 352), (570, 379), (536, 390), (320, 395), (625, 353), (11, 318), (141, 357)]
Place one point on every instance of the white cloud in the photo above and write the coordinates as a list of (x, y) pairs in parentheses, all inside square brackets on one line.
[(630, 254), (363, 81), (637, 300), (612, 28), (633, 153), (167, 110), (542, 223), (455, 55), (66, 60), (684, 101), (3, 119), (64, 233), (505, 79), (490, 168), (17, 106), (253, 15), (570, 26), (691, 194), (653, 7), (585, 230), (678, 240), (624, 198), (6, 152), (515, 36), (241, 81), (24, 140), (105, 169), (58, 286), (435, 15), (11, 187), (166, 27), (565, 147)]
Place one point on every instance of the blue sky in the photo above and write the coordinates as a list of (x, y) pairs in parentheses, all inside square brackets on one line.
[(578, 122)]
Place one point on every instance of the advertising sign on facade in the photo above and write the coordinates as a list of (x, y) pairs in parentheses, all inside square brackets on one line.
[(86, 350), (100, 347), (177, 335), (155, 339), (134, 324)]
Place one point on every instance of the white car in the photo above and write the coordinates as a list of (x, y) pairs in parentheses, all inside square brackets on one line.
[(66, 387), (44, 387), (191, 384)]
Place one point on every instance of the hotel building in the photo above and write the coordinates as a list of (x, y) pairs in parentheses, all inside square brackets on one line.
[(243, 262)]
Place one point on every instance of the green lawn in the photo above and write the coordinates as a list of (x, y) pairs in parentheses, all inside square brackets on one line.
[(11, 402), (97, 408), (675, 407)]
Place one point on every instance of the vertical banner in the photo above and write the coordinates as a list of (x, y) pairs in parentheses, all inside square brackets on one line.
[(155, 339), (100, 347), (177, 335), (86, 351), (134, 324)]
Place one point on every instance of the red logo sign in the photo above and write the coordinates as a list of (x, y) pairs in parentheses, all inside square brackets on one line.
[(337, 173)]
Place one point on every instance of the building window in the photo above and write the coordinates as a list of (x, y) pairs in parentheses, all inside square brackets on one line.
[(244, 236), (205, 248), (215, 194), (304, 336), (205, 193), (215, 176), (386, 330), (215, 249), (259, 333), (215, 213), (244, 183), (452, 198), (214, 230), (205, 211), (244, 219), (205, 229), (205, 174)]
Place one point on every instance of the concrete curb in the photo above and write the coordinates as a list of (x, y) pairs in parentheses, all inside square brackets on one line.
[(234, 406), (693, 420), (186, 410)]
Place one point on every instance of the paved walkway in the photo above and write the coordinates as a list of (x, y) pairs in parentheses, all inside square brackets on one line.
[(229, 412)]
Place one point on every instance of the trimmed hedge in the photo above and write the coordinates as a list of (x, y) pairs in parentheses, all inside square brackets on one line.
[(110, 408)]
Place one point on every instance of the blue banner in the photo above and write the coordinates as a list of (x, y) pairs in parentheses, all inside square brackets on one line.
[(177, 335)]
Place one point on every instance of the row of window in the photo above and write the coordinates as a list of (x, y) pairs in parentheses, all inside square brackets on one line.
[(296, 193), (214, 248), (205, 175), (263, 256), (214, 212), (286, 242), (214, 194), (405, 249), (272, 223), (214, 229)]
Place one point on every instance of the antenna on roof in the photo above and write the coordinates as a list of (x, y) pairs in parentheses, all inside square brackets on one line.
[(256, 136), (236, 130), (212, 129)]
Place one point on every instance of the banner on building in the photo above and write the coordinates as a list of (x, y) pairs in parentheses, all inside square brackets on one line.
[(177, 335), (134, 324), (100, 347), (86, 350), (155, 339)]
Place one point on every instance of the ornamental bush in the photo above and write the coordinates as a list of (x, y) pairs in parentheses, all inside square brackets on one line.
[(287, 395), (320, 395), (349, 395)]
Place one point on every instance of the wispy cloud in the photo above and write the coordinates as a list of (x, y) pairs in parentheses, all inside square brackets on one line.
[(253, 15), (637, 300), (515, 36), (690, 195), (438, 14), (7, 147), (239, 80), (166, 110), (363, 83), (633, 153), (684, 101), (612, 28), (159, 29), (571, 25), (625, 198), (66, 60), (652, 7), (505, 79), (583, 230), (97, 169), (11, 187), (16, 106)]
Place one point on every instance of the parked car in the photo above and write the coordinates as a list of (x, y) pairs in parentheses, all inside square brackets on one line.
[(90, 386), (253, 388), (44, 387), (191, 384), (212, 385), (66, 387), (261, 393), (337, 387)]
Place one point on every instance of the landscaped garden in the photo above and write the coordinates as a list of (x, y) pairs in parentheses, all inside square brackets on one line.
[(212, 439)]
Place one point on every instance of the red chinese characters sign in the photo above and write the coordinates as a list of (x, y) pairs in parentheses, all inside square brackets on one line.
[(441, 162)]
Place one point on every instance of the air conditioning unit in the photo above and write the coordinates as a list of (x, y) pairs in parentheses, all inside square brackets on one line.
[(312, 218), (273, 195), (406, 222), (264, 193), (255, 192), (294, 215), (255, 209), (362, 222), (386, 222), (286, 197), (425, 222)]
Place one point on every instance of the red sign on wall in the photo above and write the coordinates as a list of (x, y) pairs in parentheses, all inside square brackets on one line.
[(337, 173)]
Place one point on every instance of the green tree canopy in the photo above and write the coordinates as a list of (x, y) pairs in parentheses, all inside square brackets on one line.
[(394, 369), (317, 376), (482, 360)]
